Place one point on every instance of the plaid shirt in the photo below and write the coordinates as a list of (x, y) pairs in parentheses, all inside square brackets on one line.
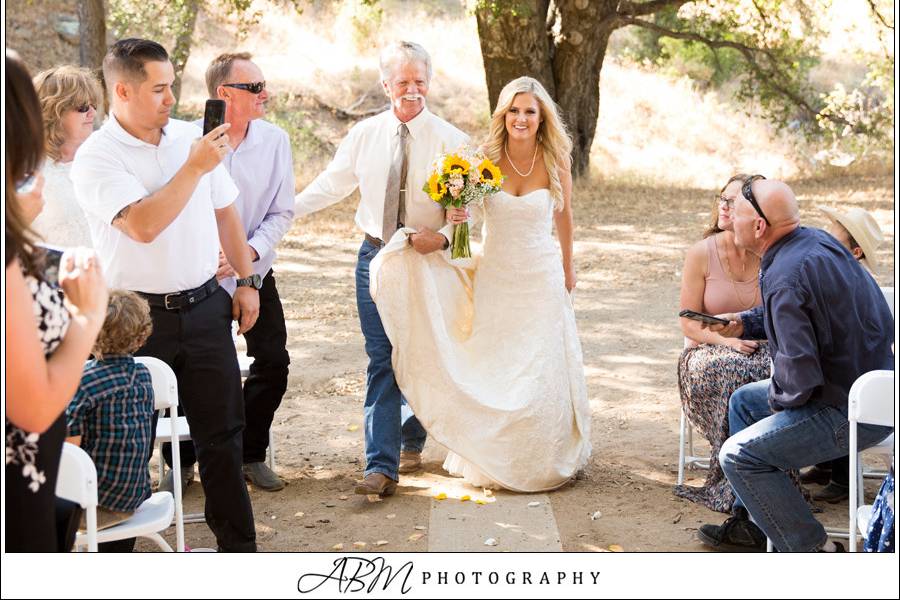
[(112, 411)]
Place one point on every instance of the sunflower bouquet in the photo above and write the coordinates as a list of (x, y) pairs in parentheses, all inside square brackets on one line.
[(458, 179)]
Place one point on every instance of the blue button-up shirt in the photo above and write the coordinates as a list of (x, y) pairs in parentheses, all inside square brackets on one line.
[(826, 320), (263, 170), (112, 411)]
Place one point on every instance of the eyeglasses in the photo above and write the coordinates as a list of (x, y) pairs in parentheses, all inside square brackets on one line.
[(729, 202), (747, 191), (84, 108), (253, 88)]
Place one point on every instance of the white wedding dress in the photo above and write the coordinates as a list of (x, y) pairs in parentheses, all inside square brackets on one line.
[(486, 350)]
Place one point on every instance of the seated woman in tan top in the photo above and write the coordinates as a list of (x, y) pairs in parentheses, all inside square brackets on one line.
[(718, 278)]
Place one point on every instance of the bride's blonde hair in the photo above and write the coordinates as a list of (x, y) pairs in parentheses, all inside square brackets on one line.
[(552, 137)]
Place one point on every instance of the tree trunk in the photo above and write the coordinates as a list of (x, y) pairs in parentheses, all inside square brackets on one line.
[(563, 49), (580, 50), (184, 22), (92, 25), (513, 44)]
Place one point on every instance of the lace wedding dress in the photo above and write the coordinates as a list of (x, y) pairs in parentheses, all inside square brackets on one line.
[(486, 350)]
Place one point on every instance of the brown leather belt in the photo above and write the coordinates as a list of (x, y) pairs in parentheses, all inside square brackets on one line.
[(374, 241)]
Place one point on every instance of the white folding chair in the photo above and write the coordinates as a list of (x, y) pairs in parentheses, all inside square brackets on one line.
[(77, 482), (686, 457), (871, 402)]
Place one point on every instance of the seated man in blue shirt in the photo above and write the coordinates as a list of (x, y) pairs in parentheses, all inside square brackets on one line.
[(827, 323)]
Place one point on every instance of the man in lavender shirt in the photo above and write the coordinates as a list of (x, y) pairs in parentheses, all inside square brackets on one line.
[(262, 167)]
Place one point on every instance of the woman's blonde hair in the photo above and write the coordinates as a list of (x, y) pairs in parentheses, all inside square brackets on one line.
[(61, 89), (552, 136), (126, 327)]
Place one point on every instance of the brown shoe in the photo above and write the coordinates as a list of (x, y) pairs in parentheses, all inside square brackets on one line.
[(410, 461), (376, 484)]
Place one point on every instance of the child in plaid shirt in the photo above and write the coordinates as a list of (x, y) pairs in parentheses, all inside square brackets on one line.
[(111, 415)]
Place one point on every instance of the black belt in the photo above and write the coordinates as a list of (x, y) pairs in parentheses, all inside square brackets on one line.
[(374, 241), (185, 299)]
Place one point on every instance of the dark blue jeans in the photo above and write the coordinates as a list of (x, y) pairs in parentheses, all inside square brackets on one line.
[(389, 422), (764, 445)]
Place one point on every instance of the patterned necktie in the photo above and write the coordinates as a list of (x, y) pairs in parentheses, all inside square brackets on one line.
[(395, 194)]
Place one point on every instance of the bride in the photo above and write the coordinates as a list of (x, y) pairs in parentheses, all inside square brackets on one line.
[(486, 351)]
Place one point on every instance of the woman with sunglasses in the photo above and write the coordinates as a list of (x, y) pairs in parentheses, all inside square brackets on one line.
[(69, 99), (718, 277), (50, 336)]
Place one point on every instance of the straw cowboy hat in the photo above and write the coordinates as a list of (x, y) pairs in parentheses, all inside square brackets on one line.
[(862, 227)]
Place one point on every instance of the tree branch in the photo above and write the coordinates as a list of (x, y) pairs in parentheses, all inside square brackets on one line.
[(638, 9), (750, 56), (878, 15)]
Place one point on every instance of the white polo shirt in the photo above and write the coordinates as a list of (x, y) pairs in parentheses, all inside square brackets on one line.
[(113, 169)]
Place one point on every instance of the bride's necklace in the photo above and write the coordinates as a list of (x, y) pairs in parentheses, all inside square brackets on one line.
[(513, 165), (731, 277)]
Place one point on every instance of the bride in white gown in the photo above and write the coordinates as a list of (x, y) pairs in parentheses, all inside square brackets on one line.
[(486, 351)]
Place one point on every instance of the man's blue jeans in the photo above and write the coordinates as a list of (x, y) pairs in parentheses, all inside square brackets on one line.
[(764, 445), (389, 422)]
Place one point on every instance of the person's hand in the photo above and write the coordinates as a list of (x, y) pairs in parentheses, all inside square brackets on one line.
[(734, 328), (81, 279), (245, 308), (427, 241), (743, 346), (225, 269), (207, 152), (455, 216), (571, 279), (32, 203)]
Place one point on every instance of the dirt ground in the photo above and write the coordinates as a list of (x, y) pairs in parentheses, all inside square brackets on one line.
[(630, 241)]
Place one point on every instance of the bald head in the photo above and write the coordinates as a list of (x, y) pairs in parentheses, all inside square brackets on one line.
[(778, 202), (779, 205)]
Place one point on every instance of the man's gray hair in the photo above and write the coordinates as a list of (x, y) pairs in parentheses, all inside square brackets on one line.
[(397, 53)]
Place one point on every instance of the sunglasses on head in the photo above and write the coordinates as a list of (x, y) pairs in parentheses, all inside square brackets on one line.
[(84, 108), (253, 88), (747, 191)]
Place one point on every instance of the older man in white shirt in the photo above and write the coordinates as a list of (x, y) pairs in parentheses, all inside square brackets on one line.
[(388, 157), (262, 167)]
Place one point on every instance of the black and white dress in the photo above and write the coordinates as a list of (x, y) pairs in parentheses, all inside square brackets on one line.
[(32, 460)]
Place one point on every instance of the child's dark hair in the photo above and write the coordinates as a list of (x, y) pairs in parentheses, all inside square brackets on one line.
[(126, 327)]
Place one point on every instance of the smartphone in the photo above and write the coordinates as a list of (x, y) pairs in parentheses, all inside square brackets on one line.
[(52, 257), (213, 115), (702, 317)]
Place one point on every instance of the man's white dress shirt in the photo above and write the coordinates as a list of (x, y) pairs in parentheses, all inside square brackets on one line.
[(364, 160)]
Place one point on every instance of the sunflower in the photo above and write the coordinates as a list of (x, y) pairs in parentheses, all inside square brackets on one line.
[(489, 172), (455, 162), (435, 187)]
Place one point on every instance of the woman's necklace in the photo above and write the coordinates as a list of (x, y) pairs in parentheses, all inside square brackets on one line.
[(731, 277), (513, 165)]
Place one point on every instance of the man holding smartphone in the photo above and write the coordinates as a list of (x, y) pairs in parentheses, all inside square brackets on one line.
[(262, 167), (158, 204)]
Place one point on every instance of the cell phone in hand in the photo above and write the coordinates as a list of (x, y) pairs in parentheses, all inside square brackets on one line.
[(213, 115), (52, 258), (702, 317)]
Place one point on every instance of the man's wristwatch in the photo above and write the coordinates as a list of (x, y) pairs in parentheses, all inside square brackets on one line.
[(254, 281)]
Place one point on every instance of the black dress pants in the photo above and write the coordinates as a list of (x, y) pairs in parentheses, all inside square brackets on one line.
[(265, 385), (196, 342)]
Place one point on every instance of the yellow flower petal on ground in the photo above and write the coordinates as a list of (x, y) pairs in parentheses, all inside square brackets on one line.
[(455, 162), (441, 496), (465, 498), (490, 173), (616, 548), (480, 501)]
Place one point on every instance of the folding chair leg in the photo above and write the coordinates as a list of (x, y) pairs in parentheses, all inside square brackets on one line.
[(271, 450), (155, 537), (681, 449)]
